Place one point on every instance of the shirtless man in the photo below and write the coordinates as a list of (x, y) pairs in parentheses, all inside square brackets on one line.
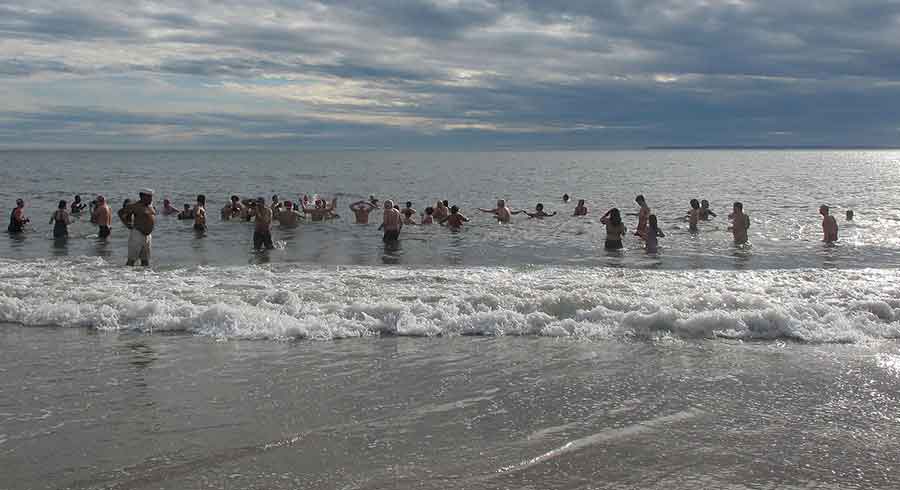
[(455, 220), (408, 212), (288, 216), (102, 216), (502, 212), (440, 211), (740, 223), (139, 217), (361, 210), (693, 216), (539, 212), (391, 223), (643, 215), (276, 205), (232, 210), (321, 211), (199, 214), (262, 231), (17, 219), (829, 225), (705, 212), (580, 209), (77, 205)]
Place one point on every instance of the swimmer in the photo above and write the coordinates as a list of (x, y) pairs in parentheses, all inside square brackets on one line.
[(501, 212), (186, 213), (652, 235), (740, 223), (321, 211), (232, 210), (361, 210), (693, 217), (391, 223), (102, 216), (615, 229), (60, 221), (539, 212), (580, 209), (705, 212), (829, 225), (428, 217), (455, 219), (440, 211), (139, 217), (262, 231), (77, 205), (199, 214), (642, 215), (566, 198), (849, 215), (168, 209), (408, 212), (276, 205), (289, 216), (17, 219)]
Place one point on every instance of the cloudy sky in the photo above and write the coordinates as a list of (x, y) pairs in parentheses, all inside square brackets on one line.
[(449, 73)]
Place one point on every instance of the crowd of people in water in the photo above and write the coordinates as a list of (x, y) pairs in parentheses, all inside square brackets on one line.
[(140, 217)]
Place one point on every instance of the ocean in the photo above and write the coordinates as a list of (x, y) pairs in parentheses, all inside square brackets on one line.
[(500, 356)]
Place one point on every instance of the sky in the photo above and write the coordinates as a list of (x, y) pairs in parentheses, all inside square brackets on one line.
[(455, 74)]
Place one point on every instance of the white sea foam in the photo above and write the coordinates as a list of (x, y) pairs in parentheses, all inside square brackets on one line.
[(308, 302)]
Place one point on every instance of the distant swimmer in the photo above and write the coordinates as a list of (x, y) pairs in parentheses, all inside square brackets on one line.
[(168, 209), (566, 198), (440, 211), (262, 231), (740, 223), (643, 214), (102, 217), (288, 216), (233, 210), (539, 212), (615, 229), (186, 213), (849, 215), (361, 210), (705, 212), (276, 205), (428, 217), (139, 217), (455, 219), (408, 212), (829, 225), (391, 222), (17, 219), (77, 206), (501, 212), (580, 209), (199, 214), (652, 235), (60, 221), (693, 216)]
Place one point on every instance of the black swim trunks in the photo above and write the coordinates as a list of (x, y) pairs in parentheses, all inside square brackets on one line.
[(262, 238), (103, 232), (613, 244), (391, 236), (199, 228)]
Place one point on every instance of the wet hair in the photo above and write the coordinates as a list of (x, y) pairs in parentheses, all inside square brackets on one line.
[(274, 197), (408, 204), (640, 198), (126, 202), (565, 197), (454, 209), (77, 198), (201, 198), (695, 204), (824, 207), (615, 217), (429, 210), (445, 202), (397, 207), (738, 205), (166, 201), (62, 204), (652, 223), (539, 206), (704, 203), (849, 214), (235, 198)]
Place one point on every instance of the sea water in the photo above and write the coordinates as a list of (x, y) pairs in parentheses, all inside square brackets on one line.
[(500, 356)]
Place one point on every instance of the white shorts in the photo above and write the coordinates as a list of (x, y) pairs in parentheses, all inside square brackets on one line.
[(138, 246)]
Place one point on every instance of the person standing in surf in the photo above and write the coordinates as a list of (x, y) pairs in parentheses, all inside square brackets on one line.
[(615, 229), (140, 218), (391, 223), (652, 235), (501, 212), (262, 231), (539, 212), (361, 210), (829, 225), (17, 219), (580, 209), (60, 221), (102, 217), (643, 215), (693, 216), (455, 220), (199, 214), (740, 223)]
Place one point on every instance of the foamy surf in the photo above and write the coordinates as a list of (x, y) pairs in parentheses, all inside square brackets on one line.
[(308, 302)]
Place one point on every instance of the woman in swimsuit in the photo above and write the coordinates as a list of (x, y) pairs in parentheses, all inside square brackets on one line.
[(615, 229), (60, 221)]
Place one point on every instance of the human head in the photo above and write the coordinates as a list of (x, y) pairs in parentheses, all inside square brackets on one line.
[(388, 204), (397, 207), (849, 215), (704, 203), (429, 210), (695, 204), (201, 199), (166, 202), (823, 210), (651, 220), (187, 207), (373, 200), (454, 210), (235, 199), (77, 198), (566, 197), (146, 196), (501, 203), (62, 204), (446, 203), (20, 203), (274, 197), (408, 205), (738, 207), (640, 199), (539, 207), (288, 205), (615, 217), (101, 200), (261, 201)]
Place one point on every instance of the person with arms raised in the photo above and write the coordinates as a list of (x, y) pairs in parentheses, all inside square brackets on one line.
[(140, 218)]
